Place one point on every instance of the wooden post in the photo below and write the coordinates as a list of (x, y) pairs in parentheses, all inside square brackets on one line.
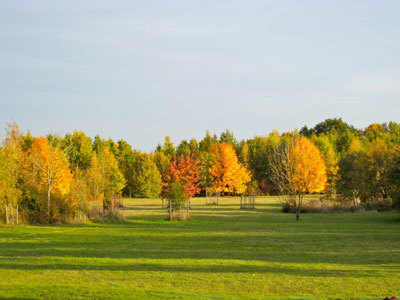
[(17, 214), (170, 210)]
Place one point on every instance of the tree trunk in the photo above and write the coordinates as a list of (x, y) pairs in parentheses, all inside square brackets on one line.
[(298, 206), (6, 214), (170, 210), (12, 214), (187, 208), (17, 214), (48, 202)]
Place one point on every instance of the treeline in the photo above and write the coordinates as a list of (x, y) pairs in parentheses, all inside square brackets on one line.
[(71, 178), (53, 179), (362, 165)]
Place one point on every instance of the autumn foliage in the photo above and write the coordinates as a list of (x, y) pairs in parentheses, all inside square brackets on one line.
[(309, 170), (181, 182), (59, 179), (10, 170), (228, 175), (185, 170), (48, 167)]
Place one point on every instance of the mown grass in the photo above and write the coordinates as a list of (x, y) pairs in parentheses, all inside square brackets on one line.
[(222, 252)]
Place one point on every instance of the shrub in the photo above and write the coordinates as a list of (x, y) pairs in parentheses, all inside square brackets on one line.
[(339, 205), (176, 197)]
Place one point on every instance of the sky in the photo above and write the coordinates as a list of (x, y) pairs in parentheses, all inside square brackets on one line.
[(142, 70)]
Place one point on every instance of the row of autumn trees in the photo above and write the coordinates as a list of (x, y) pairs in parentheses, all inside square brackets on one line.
[(74, 177), (351, 166), (45, 180)]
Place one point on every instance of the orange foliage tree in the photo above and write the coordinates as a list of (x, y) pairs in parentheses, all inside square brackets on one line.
[(308, 170), (228, 175), (47, 169)]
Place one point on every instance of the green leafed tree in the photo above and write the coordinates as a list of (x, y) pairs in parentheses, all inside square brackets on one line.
[(78, 148), (183, 149), (364, 174), (194, 147), (162, 162), (176, 198), (394, 179), (228, 138), (168, 148), (207, 159), (145, 181), (206, 143), (113, 180), (126, 159)]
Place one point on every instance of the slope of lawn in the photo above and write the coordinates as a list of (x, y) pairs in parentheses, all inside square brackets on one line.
[(222, 253)]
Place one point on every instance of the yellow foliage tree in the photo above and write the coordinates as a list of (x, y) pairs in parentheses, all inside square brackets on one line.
[(355, 145), (95, 180), (227, 174), (104, 179), (10, 169), (308, 170), (331, 161), (47, 169)]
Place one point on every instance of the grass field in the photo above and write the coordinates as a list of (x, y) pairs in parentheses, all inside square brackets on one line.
[(222, 252)]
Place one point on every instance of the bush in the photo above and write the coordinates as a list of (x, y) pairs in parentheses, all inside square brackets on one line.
[(176, 197), (113, 216), (322, 206), (379, 205), (175, 194), (339, 205)]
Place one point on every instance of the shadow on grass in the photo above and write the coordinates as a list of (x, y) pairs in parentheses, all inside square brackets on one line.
[(246, 244), (216, 232), (211, 268), (142, 207)]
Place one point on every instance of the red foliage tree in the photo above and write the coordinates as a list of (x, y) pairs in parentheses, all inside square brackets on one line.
[(185, 170)]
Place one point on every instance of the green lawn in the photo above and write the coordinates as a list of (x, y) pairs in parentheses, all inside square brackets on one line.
[(223, 252)]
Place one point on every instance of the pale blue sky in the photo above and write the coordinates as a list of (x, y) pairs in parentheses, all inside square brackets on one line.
[(141, 70)]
